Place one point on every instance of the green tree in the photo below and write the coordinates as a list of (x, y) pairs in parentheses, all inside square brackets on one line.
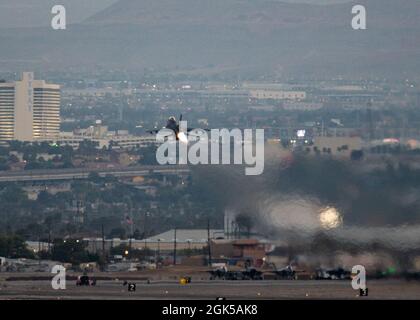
[(14, 246), (72, 251)]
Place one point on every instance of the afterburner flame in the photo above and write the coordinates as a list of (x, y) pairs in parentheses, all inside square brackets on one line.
[(330, 218), (182, 137)]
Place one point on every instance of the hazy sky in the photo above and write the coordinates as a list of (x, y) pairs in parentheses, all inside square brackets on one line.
[(316, 1), (252, 36), (24, 13), (28, 13)]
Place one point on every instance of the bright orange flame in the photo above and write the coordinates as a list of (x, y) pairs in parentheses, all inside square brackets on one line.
[(330, 218), (182, 137)]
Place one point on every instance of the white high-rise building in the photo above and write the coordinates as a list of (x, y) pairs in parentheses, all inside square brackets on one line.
[(29, 109)]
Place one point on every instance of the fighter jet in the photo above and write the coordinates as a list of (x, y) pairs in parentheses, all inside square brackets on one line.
[(224, 274), (333, 274), (286, 273), (173, 125)]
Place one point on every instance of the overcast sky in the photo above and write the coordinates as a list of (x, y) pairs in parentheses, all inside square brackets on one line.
[(29, 13), (33, 13)]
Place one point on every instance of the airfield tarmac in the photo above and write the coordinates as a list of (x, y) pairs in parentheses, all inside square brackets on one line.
[(231, 290)]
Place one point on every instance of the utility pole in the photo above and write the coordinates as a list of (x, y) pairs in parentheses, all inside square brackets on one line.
[(103, 243), (131, 229), (208, 241), (49, 241), (158, 254), (370, 121), (129, 249), (145, 233), (39, 248), (174, 246), (120, 113), (227, 229), (232, 230)]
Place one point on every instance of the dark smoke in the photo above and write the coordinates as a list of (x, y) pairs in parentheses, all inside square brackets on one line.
[(378, 204)]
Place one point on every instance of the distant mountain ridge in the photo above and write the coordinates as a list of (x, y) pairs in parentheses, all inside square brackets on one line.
[(262, 35), (385, 12), (37, 13)]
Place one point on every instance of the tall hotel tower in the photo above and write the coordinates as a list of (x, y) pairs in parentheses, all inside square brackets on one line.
[(29, 109)]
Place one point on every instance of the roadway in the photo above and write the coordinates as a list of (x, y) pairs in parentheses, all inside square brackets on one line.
[(83, 173)]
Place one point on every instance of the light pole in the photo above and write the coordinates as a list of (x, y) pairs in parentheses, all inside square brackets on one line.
[(189, 247), (158, 253), (175, 247), (146, 214)]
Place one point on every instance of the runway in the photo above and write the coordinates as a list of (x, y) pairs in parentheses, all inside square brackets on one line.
[(210, 290)]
